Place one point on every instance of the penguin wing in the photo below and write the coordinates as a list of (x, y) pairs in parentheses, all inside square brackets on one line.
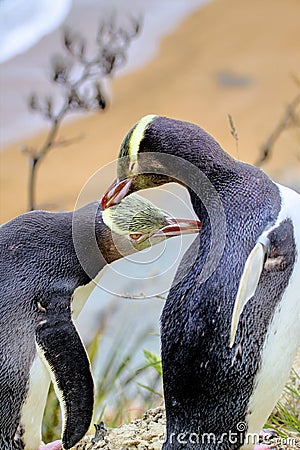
[(61, 349), (248, 283)]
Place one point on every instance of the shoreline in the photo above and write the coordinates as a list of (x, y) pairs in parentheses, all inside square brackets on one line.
[(183, 81), (30, 70)]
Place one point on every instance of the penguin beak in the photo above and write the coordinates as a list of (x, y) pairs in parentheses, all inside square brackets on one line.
[(116, 192), (177, 227)]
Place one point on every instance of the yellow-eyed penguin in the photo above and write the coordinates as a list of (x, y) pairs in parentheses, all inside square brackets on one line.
[(41, 272), (230, 327)]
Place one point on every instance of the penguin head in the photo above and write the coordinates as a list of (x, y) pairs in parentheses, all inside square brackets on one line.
[(138, 224), (129, 170), (147, 155)]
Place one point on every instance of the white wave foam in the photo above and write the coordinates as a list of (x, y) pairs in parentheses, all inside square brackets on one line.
[(28, 72), (23, 23)]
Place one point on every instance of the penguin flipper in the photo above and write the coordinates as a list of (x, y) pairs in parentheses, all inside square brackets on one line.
[(61, 349), (248, 283)]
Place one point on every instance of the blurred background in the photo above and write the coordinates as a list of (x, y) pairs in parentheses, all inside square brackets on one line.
[(198, 61)]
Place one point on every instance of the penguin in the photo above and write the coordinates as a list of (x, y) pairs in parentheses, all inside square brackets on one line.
[(230, 325), (47, 263)]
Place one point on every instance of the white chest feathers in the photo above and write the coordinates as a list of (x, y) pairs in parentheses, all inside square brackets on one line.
[(283, 337), (33, 409)]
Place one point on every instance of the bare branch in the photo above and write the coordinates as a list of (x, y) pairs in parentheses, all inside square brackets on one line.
[(67, 142), (234, 132), (143, 296), (60, 70), (29, 151), (290, 117), (33, 103), (79, 78)]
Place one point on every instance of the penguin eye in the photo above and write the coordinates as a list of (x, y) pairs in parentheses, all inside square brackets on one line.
[(132, 167), (135, 236)]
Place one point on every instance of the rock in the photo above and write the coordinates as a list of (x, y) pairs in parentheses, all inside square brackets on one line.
[(148, 434), (141, 434)]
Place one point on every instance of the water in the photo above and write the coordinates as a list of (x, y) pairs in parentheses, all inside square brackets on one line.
[(30, 33), (22, 24)]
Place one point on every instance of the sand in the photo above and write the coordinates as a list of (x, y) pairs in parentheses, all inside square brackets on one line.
[(252, 45)]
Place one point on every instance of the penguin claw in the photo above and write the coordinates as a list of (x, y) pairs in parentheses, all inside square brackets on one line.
[(55, 445)]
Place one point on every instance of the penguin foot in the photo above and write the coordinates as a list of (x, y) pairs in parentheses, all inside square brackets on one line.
[(267, 434), (55, 445)]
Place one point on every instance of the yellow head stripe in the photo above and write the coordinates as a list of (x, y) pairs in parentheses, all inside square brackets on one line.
[(137, 135)]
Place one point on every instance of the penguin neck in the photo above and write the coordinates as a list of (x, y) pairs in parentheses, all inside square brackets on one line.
[(92, 239), (187, 154), (95, 243), (106, 241), (193, 154)]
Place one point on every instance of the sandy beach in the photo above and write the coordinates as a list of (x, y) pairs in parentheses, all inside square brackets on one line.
[(229, 57)]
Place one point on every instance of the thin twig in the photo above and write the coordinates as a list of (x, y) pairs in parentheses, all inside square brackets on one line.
[(288, 118), (81, 93), (234, 133), (142, 296), (67, 142)]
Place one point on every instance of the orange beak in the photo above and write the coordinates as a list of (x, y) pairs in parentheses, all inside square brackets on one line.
[(116, 192), (177, 227)]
